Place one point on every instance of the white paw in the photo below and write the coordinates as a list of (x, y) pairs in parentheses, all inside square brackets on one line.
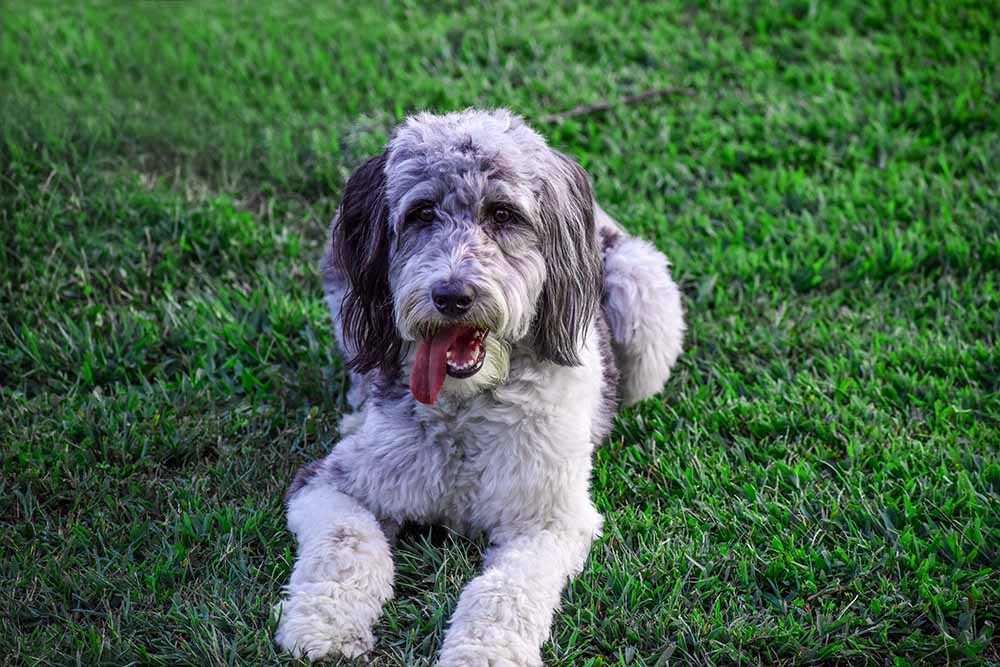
[(479, 660), (488, 654), (315, 626)]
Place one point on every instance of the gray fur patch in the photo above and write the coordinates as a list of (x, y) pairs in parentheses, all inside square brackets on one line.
[(303, 477), (610, 238), (610, 393)]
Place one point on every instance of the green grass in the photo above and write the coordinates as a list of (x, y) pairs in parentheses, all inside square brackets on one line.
[(820, 482)]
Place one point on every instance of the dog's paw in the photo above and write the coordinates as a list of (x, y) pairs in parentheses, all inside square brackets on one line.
[(316, 626), (482, 655), (479, 660)]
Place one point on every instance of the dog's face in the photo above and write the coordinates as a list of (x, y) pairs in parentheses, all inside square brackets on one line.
[(466, 237)]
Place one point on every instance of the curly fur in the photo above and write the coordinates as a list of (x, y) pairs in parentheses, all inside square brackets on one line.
[(580, 314)]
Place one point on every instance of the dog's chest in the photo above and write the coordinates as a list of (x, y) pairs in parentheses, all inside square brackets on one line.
[(479, 468), (503, 459), (507, 463)]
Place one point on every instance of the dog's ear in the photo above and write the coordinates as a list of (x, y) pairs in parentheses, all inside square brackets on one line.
[(574, 281), (361, 248)]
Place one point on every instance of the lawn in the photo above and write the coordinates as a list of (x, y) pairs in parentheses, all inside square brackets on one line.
[(818, 483)]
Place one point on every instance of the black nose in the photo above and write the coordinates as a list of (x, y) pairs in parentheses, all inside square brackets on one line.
[(453, 298)]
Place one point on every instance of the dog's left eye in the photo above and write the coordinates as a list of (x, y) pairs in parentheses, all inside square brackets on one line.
[(502, 215)]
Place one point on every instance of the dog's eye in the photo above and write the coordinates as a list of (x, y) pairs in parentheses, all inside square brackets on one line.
[(425, 214), (502, 215)]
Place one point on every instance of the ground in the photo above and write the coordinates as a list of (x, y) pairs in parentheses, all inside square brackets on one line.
[(819, 482)]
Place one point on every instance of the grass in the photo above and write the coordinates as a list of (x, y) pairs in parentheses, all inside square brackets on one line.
[(818, 484)]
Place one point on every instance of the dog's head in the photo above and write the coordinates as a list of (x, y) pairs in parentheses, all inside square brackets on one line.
[(466, 237)]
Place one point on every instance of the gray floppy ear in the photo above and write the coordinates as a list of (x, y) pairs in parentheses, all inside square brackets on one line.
[(361, 250), (572, 290)]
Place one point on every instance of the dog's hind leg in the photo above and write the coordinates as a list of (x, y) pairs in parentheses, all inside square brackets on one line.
[(642, 305)]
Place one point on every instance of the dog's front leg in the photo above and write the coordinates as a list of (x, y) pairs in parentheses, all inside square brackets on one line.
[(504, 614), (342, 575)]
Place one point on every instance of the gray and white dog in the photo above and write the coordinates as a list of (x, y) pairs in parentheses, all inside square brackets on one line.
[(494, 318)]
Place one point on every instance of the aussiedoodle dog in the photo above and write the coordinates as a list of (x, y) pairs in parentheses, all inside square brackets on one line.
[(494, 318)]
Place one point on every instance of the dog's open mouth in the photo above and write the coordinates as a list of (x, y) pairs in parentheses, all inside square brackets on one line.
[(457, 350)]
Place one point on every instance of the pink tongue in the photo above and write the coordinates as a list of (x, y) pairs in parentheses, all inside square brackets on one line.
[(429, 367)]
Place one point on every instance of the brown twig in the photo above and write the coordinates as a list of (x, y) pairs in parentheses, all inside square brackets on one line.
[(597, 107)]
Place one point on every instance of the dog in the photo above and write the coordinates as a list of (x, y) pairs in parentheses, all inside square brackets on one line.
[(494, 318)]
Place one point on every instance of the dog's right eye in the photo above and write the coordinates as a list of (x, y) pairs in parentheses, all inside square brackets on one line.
[(502, 215), (424, 214)]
